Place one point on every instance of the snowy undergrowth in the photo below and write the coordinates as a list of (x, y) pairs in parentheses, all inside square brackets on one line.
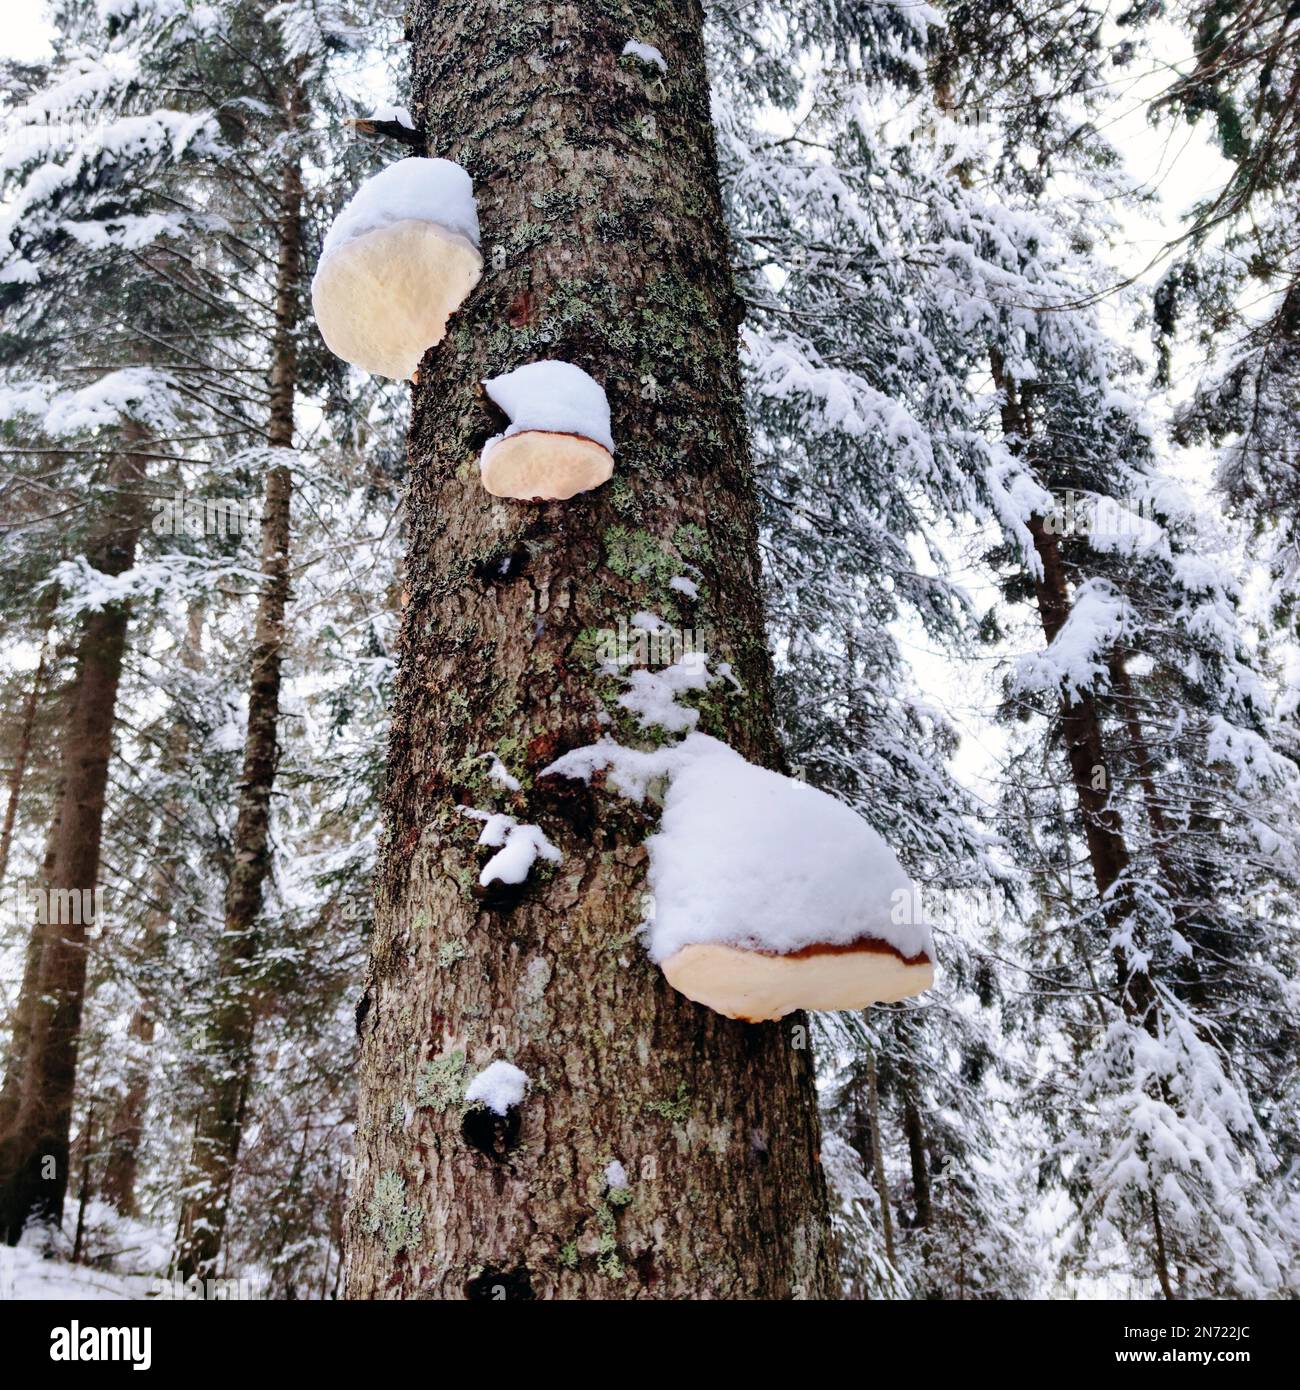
[(121, 1259)]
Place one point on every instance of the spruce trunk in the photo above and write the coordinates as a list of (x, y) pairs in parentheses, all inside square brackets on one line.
[(605, 246), (34, 1147), (229, 1059), (21, 754)]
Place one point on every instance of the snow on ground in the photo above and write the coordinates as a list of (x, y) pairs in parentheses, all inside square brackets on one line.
[(124, 1259), (26, 1275)]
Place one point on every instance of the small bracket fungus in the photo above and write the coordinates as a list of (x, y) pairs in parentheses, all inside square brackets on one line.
[(397, 263), (558, 443), (767, 895)]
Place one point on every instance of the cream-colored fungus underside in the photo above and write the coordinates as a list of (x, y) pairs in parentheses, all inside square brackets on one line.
[(538, 465), (755, 985), (383, 299)]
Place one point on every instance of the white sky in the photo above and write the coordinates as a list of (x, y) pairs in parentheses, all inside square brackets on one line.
[(26, 30)]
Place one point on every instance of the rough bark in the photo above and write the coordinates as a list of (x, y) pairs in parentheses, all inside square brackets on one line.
[(1081, 733), (34, 1144), (122, 1162), (24, 1012), (229, 1043), (605, 246), (914, 1131), (1091, 771)]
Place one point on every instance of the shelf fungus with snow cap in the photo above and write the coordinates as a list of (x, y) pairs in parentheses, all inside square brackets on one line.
[(768, 895), (772, 896), (558, 443), (397, 263)]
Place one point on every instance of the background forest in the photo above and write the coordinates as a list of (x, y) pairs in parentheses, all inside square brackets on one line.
[(1029, 474)]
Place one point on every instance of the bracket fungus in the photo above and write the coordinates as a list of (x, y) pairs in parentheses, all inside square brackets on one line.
[(767, 895), (397, 263), (772, 896), (558, 443)]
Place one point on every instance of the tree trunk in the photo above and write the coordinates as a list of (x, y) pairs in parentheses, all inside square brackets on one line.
[(123, 1160), (1081, 731), (21, 754), (24, 1012), (605, 246), (1090, 771), (878, 1158), (34, 1145), (229, 1046), (914, 1130)]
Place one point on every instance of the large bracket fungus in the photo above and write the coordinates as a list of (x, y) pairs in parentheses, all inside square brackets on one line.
[(772, 896), (397, 263), (768, 895), (558, 443)]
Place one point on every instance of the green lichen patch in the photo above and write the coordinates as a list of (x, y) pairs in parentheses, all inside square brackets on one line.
[(450, 952), (441, 1083), (640, 556), (388, 1216), (676, 1111), (608, 1260)]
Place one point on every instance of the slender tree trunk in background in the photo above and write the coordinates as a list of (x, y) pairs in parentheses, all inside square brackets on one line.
[(1161, 1256), (24, 1013), (914, 1132), (1090, 770), (123, 1162), (34, 1144), (230, 1035), (605, 246), (878, 1157), (83, 1199), (21, 754)]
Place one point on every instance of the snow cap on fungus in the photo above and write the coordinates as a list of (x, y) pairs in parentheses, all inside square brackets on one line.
[(558, 442), (768, 895), (398, 261)]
